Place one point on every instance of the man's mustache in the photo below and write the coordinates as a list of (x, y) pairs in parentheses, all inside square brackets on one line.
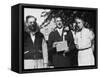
[(59, 24), (32, 28)]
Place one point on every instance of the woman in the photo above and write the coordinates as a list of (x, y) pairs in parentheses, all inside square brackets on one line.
[(84, 42)]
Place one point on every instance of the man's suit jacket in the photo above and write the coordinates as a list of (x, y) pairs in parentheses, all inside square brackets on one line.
[(55, 37), (53, 56), (35, 49)]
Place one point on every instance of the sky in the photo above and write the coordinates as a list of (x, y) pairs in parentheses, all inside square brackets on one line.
[(35, 12)]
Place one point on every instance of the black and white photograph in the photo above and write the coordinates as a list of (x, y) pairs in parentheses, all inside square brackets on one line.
[(57, 38), (49, 38)]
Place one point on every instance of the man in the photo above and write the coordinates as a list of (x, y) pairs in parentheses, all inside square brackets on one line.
[(35, 47), (73, 30), (84, 43), (61, 45)]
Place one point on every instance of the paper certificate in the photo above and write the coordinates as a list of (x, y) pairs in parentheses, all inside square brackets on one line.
[(61, 46)]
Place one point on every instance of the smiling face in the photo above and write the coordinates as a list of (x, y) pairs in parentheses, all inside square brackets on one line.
[(31, 21), (79, 23), (59, 22), (31, 24)]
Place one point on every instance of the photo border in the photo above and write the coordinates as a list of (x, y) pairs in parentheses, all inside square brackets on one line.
[(38, 6)]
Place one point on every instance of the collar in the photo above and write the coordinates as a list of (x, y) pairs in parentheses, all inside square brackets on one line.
[(59, 29), (32, 34)]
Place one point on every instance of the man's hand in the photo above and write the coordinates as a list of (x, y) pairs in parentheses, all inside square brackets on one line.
[(62, 46), (54, 44), (66, 49), (66, 46), (26, 52)]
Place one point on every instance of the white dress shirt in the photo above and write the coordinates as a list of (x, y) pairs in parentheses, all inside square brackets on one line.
[(32, 37), (60, 31)]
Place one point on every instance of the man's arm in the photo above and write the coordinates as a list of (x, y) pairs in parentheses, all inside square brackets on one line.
[(71, 43)]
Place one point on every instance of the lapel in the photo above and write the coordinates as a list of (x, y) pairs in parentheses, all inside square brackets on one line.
[(30, 42), (59, 34)]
